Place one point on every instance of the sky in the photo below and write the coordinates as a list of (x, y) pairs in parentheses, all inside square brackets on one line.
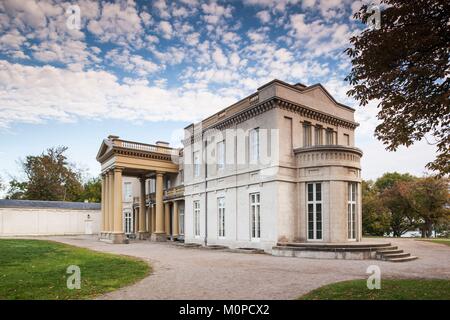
[(145, 69)]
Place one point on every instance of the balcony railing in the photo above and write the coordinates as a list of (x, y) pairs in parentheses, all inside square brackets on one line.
[(172, 193), (146, 147)]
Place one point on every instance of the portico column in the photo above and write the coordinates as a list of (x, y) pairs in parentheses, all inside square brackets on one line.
[(142, 231), (110, 201), (153, 210), (118, 234), (159, 234), (167, 218), (175, 223), (103, 227)]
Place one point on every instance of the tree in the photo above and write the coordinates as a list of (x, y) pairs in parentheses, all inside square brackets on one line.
[(388, 179), (1, 184), (375, 216), (405, 66), (429, 198), (49, 176), (92, 190), (397, 200)]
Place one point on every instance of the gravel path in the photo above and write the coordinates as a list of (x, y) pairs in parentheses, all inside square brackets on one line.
[(187, 273)]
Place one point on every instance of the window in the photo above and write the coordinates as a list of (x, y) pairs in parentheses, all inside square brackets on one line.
[(255, 216), (347, 139), (306, 134), (254, 146), (329, 137), (128, 222), (181, 176), (319, 135), (220, 155), (351, 208), (196, 164), (128, 192), (314, 203), (197, 218), (221, 216), (181, 220)]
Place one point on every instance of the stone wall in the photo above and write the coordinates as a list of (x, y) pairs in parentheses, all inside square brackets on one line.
[(41, 218)]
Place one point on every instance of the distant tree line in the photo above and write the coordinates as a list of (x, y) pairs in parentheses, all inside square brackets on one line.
[(50, 176), (397, 203)]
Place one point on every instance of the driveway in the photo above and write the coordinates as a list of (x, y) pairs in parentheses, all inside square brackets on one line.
[(189, 273)]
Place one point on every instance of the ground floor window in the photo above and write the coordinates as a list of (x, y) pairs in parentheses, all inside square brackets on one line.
[(255, 215), (181, 220), (197, 218), (128, 222), (351, 210), (221, 216), (314, 209)]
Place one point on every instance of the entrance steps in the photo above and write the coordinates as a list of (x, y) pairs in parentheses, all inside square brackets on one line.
[(348, 251), (393, 254)]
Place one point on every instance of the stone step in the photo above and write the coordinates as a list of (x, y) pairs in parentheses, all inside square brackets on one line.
[(389, 251), (404, 259), (390, 256)]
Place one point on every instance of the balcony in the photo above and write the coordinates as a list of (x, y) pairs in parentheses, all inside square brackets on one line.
[(328, 155), (170, 194)]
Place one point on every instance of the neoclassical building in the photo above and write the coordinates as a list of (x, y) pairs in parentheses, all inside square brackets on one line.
[(279, 166)]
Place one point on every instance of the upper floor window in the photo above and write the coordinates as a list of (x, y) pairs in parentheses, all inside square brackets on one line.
[(128, 192), (254, 145), (196, 164), (221, 155), (319, 135), (181, 176), (330, 137), (307, 134), (347, 139)]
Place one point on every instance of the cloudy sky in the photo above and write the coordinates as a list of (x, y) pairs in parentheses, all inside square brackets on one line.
[(143, 69)]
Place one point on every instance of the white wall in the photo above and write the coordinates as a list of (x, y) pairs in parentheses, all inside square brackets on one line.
[(47, 221)]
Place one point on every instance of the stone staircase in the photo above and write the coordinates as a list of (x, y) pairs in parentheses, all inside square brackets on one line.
[(394, 254)]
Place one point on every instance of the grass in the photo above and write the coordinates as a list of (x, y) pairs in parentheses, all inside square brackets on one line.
[(36, 269), (440, 241), (392, 289)]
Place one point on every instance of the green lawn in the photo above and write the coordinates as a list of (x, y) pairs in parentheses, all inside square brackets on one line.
[(440, 241), (36, 269), (398, 289)]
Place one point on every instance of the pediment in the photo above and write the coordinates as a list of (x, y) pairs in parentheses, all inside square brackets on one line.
[(105, 147)]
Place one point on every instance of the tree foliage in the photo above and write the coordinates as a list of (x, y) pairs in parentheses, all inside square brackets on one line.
[(397, 203), (50, 176), (405, 65), (429, 198)]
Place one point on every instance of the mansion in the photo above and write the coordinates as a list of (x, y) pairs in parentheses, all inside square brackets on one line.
[(277, 166)]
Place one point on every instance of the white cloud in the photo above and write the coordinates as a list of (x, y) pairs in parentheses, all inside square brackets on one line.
[(132, 63), (219, 58), (35, 94), (166, 29), (263, 16)]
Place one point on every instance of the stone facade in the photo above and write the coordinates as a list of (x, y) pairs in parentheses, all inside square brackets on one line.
[(277, 166)]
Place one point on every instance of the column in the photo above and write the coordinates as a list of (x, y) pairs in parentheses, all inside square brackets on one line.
[(149, 219), (153, 210), (105, 203), (111, 200), (118, 234), (175, 223), (136, 220), (167, 218), (142, 231), (159, 234)]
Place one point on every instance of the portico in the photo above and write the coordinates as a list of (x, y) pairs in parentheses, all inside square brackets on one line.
[(120, 158)]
